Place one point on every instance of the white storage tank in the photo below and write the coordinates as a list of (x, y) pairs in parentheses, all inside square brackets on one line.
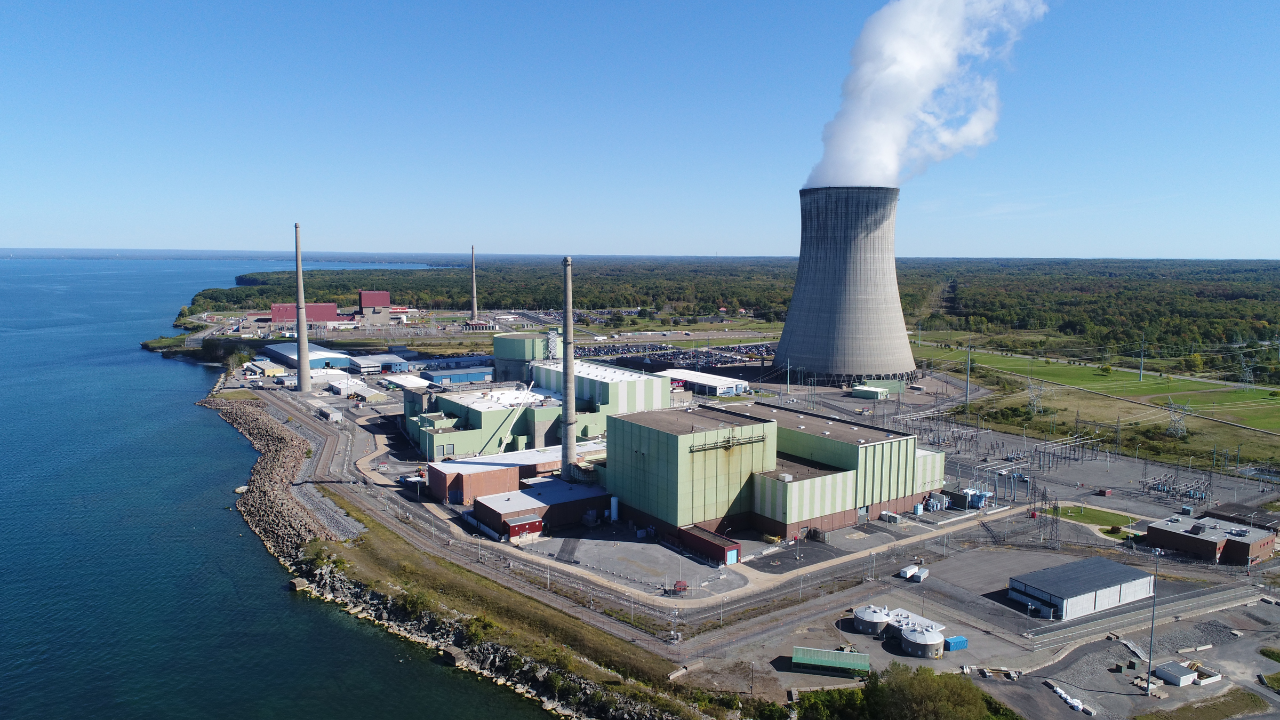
[(921, 642), (870, 620)]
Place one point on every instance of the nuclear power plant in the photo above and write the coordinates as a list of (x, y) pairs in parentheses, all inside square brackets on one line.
[(845, 320)]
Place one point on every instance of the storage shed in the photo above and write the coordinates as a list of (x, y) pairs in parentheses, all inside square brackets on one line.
[(1175, 674), (711, 545), (1076, 589), (523, 525)]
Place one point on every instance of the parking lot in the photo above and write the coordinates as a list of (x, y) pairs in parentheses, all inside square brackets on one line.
[(613, 553)]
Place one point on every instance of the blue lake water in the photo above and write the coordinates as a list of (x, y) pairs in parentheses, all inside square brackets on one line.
[(129, 586)]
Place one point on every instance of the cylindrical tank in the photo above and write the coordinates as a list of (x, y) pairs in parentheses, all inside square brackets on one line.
[(921, 642), (870, 620)]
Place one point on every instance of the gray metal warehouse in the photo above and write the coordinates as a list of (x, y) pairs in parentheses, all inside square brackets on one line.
[(1076, 589)]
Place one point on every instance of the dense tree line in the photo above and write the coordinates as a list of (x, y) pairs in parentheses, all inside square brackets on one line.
[(902, 693), (1181, 306), (691, 286), (1175, 303)]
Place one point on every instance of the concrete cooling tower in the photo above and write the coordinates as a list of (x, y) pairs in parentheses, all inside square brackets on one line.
[(845, 317)]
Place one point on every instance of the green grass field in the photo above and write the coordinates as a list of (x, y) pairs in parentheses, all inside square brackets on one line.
[(1255, 408), (1092, 516), (1118, 382)]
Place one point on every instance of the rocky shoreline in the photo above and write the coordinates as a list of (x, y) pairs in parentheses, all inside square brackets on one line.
[(268, 506), (286, 527), (560, 691)]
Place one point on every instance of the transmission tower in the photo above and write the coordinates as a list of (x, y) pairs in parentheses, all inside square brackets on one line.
[(1177, 424), (1246, 372), (1035, 391), (1056, 513), (811, 394)]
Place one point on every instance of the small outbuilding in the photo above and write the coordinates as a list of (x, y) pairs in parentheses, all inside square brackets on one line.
[(1175, 674), (265, 368), (1076, 589), (523, 525), (716, 547)]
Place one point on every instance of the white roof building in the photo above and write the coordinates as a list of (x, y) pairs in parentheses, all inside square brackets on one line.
[(707, 384)]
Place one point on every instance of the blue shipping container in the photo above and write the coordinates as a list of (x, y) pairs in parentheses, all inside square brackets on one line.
[(958, 642)]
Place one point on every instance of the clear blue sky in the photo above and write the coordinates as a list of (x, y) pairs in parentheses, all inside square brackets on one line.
[(1134, 129)]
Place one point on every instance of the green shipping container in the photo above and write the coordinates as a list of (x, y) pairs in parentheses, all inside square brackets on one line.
[(831, 660)]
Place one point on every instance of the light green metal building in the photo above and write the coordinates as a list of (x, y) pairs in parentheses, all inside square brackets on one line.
[(682, 467), (606, 389), (484, 422), (780, 471)]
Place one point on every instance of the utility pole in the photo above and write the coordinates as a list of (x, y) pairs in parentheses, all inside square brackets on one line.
[(968, 361), (1142, 358), (788, 376)]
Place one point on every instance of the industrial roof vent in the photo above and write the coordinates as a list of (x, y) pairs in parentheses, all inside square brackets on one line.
[(845, 317)]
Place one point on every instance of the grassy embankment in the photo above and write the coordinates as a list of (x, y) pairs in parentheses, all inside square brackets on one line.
[(1101, 519), (385, 561), (1142, 428), (1233, 703), (1273, 680)]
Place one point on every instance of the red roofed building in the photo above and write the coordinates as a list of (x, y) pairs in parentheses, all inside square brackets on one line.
[(375, 307), (316, 312), (375, 299)]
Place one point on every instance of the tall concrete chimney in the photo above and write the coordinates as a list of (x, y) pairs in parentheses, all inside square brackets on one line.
[(845, 316), (568, 411), (304, 354), (475, 307)]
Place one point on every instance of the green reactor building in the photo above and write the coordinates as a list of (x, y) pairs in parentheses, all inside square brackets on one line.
[(773, 469), (513, 353)]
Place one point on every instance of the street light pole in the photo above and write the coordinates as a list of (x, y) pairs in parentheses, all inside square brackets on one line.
[(1151, 646)]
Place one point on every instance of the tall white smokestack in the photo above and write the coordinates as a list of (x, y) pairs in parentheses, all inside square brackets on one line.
[(568, 411), (304, 354), (475, 306)]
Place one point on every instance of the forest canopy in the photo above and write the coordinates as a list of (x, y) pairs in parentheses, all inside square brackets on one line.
[(1095, 302)]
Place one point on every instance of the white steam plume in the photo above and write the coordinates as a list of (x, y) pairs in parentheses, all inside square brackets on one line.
[(915, 94)]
